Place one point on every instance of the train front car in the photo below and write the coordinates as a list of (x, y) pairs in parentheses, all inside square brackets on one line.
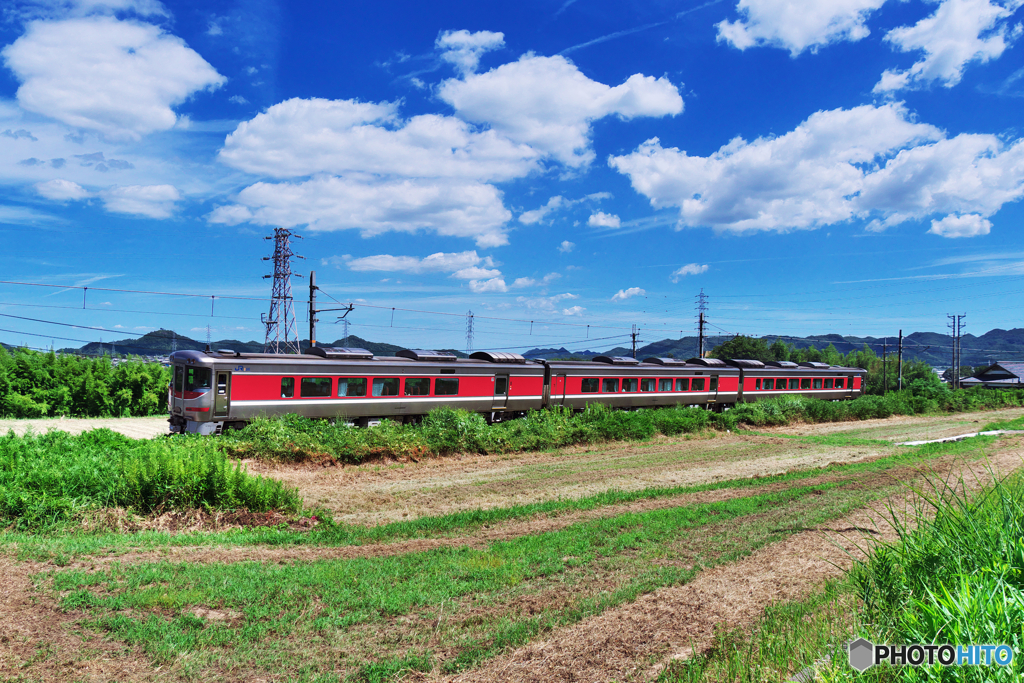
[(191, 400)]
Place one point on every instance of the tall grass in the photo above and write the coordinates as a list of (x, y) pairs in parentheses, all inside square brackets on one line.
[(957, 577), (53, 477)]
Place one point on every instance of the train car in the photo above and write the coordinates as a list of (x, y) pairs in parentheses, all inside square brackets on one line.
[(213, 391)]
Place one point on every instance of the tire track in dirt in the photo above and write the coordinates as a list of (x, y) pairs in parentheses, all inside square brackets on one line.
[(675, 622)]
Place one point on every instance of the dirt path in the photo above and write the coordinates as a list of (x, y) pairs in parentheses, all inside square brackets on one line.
[(903, 427), (135, 427), (674, 622)]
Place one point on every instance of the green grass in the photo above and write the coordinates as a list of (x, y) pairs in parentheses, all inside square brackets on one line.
[(54, 478), (346, 608), (63, 545)]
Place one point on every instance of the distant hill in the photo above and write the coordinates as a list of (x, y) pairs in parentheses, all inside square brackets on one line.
[(931, 347)]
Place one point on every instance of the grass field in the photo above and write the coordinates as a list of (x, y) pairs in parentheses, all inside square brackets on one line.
[(612, 561)]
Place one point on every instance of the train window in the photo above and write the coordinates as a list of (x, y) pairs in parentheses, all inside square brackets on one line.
[(714, 384), (648, 384), (417, 386), (839, 382), (817, 384), (179, 377), (683, 384), (610, 385), (768, 384), (315, 387), (501, 386), (351, 386), (697, 384), (757, 384), (446, 386), (591, 385), (805, 384), (828, 383), (664, 385), (629, 384), (385, 386), (197, 379), (287, 387), (849, 383)]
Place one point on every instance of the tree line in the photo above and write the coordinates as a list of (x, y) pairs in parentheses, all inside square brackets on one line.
[(38, 384)]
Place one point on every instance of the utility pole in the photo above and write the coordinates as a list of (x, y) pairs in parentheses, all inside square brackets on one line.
[(313, 310), (885, 376), (469, 332), (702, 307), (634, 334), (959, 345), (900, 361)]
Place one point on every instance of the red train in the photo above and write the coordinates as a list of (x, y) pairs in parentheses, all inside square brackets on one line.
[(212, 391)]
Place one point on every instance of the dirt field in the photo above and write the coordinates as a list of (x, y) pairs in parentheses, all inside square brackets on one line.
[(729, 568), (135, 427)]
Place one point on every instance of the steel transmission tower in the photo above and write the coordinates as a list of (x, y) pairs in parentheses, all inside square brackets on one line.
[(469, 332), (282, 336)]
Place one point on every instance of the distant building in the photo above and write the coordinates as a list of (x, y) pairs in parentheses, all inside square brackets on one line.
[(1001, 375)]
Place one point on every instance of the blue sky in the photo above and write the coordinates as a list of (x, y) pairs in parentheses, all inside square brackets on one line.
[(815, 166)]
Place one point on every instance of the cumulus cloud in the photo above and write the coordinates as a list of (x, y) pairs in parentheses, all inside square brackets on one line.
[(688, 269), (549, 104), (868, 162), (325, 203), (463, 49), (574, 311), (797, 25), (484, 286), (60, 190), (604, 220), (301, 137), (566, 246), (547, 304), (624, 294), (440, 262), (120, 78), (531, 282), (152, 201), (970, 225), (959, 32), (537, 215)]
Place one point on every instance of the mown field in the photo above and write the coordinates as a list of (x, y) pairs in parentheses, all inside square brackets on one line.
[(672, 557)]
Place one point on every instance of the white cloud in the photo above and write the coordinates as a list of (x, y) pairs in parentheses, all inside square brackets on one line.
[(604, 220), (624, 294), (477, 273), (153, 201), (566, 246), (537, 215), (959, 32), (867, 162), (463, 49), (62, 9), (574, 311), (544, 303), (970, 225), (238, 99), (440, 262), (548, 103), (452, 209), (521, 282), (797, 25), (688, 269), (300, 137), (60, 190), (492, 285), (120, 78)]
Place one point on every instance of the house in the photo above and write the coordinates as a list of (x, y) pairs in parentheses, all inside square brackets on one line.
[(1002, 375)]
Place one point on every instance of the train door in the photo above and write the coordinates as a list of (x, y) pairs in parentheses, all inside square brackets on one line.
[(222, 399), (178, 390), (558, 390), (500, 392), (713, 390)]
